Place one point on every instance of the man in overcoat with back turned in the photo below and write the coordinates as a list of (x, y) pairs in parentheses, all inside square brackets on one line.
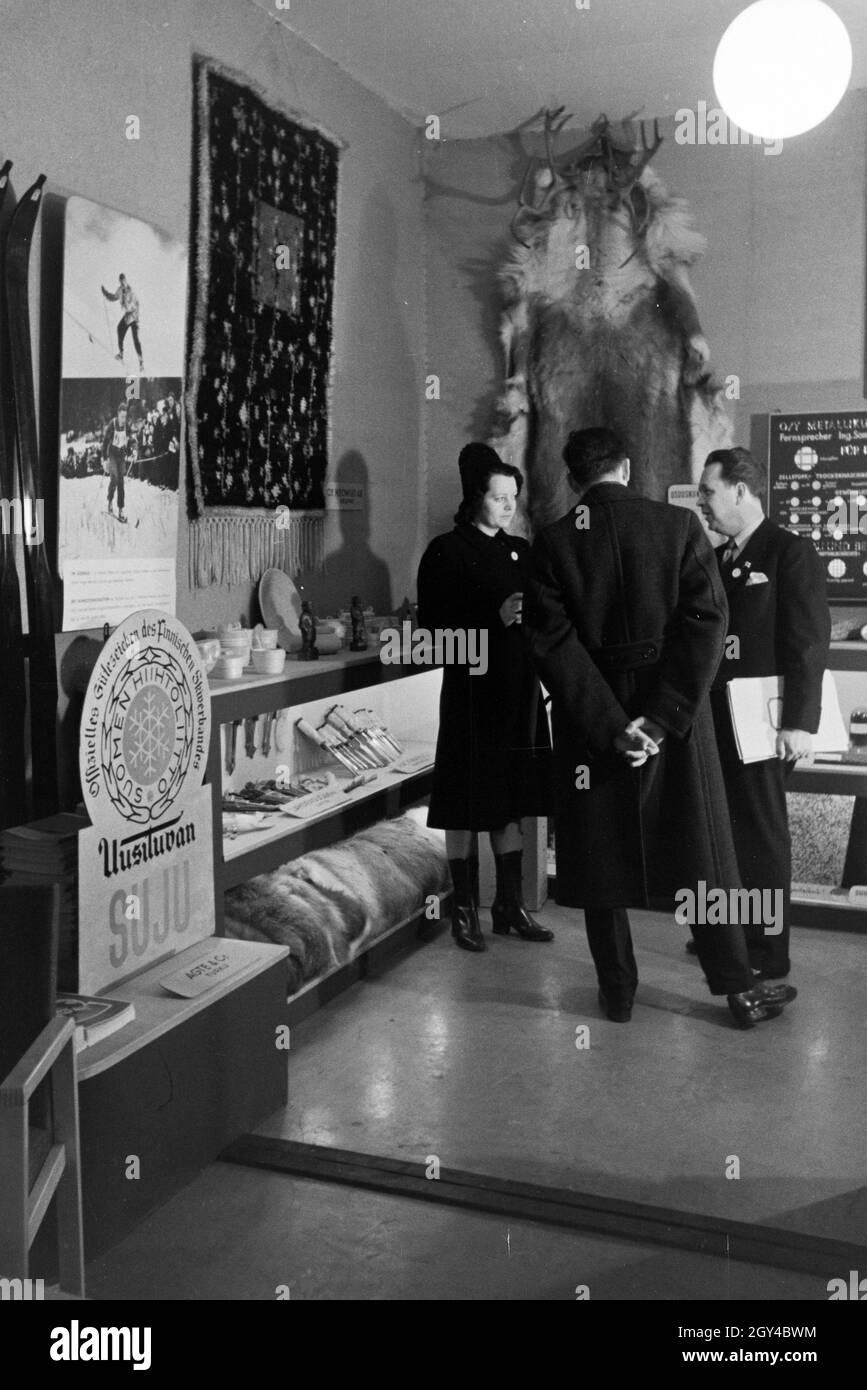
[(626, 620)]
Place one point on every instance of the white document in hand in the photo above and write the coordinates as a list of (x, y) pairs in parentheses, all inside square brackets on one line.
[(756, 705)]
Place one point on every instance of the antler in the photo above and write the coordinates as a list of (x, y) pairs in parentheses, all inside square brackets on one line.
[(554, 121), (623, 167), (649, 150)]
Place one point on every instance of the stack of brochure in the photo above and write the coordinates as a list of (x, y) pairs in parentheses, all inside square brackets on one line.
[(46, 851), (95, 1018)]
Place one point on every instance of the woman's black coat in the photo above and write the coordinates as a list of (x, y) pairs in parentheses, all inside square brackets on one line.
[(493, 749)]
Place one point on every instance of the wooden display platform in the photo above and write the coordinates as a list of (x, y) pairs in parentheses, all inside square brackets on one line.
[(174, 1087)]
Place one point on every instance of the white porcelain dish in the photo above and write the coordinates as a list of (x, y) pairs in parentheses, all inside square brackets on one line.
[(279, 600)]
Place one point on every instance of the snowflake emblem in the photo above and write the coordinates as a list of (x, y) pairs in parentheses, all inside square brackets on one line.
[(149, 735)]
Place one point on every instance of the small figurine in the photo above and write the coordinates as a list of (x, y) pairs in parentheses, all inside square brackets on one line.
[(359, 629), (308, 634)]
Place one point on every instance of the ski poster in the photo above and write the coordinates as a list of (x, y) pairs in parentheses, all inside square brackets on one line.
[(124, 306)]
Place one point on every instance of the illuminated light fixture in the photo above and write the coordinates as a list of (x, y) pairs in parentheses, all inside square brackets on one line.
[(782, 66)]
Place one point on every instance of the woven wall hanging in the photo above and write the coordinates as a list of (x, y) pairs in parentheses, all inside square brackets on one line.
[(264, 228)]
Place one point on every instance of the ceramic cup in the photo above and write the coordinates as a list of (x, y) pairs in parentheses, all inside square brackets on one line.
[(265, 638), (229, 666), (209, 651), (268, 663)]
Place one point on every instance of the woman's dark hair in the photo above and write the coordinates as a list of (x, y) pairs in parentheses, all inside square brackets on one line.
[(590, 454), (478, 464), (738, 466)]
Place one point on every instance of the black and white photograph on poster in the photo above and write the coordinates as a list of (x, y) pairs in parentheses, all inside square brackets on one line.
[(124, 298), (124, 295), (511, 944)]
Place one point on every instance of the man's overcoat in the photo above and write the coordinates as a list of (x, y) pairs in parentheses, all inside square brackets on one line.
[(626, 615)]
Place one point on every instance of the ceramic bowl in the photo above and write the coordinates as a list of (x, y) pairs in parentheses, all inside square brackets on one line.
[(265, 638), (268, 663), (236, 640), (229, 666)]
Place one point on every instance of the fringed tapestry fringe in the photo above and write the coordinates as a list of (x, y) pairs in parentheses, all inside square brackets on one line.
[(236, 547)]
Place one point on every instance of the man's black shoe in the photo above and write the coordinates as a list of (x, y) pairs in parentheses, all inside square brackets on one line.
[(618, 1011), (776, 994), (755, 1005)]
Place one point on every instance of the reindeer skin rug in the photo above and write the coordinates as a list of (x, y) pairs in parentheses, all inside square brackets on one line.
[(600, 324), (329, 905)]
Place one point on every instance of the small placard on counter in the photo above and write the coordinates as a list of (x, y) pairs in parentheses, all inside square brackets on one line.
[(216, 962), (823, 891), (316, 802), (416, 762)]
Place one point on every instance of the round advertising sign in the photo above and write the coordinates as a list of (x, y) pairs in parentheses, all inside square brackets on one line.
[(145, 723)]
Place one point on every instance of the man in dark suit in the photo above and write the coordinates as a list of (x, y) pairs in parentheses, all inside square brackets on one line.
[(626, 618), (778, 611)]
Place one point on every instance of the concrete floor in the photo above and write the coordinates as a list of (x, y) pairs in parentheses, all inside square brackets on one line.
[(473, 1059), (238, 1234)]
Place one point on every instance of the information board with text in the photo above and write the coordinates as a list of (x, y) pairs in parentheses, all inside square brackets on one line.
[(817, 488)]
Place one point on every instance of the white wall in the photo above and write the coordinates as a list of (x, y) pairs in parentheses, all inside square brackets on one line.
[(71, 71)]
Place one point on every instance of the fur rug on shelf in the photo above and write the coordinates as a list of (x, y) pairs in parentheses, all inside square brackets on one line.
[(328, 906)]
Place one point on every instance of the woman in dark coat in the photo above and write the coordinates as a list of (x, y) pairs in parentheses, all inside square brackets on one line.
[(493, 747)]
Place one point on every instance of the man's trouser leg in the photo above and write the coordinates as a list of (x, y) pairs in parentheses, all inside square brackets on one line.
[(611, 947), (722, 954), (756, 794)]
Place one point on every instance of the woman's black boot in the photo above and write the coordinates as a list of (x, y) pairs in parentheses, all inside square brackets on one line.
[(465, 908), (508, 912)]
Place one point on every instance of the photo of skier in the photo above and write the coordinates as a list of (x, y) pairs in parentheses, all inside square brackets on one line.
[(115, 449), (118, 462), (129, 320), (124, 291), (119, 454)]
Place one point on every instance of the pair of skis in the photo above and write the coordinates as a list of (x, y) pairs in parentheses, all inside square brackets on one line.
[(21, 478)]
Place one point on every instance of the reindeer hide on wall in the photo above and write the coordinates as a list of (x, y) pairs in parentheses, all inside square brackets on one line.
[(600, 325)]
